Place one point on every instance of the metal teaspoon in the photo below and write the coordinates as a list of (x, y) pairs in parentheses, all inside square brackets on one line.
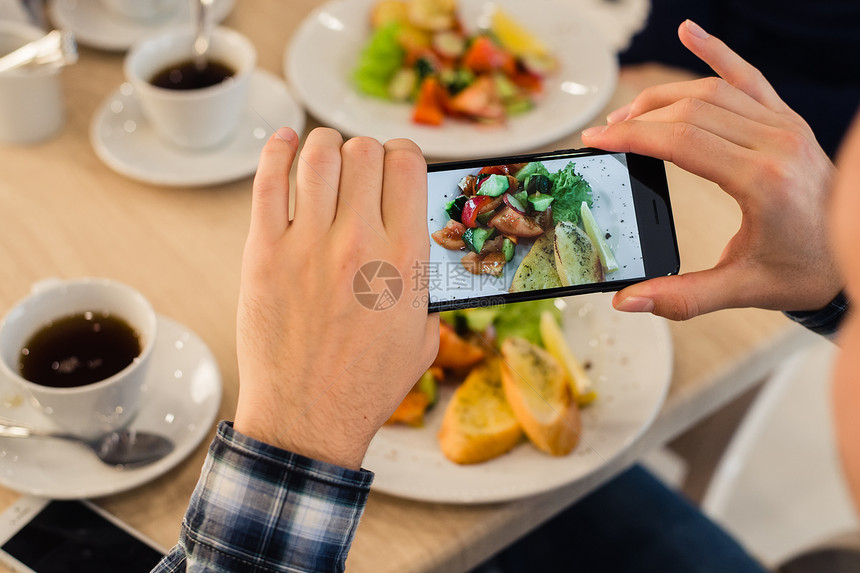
[(128, 448)]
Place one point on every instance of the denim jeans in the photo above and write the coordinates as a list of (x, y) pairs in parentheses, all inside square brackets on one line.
[(634, 523)]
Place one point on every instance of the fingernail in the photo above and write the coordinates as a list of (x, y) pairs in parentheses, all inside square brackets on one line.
[(696, 30), (635, 304), (619, 114), (596, 130), (285, 134)]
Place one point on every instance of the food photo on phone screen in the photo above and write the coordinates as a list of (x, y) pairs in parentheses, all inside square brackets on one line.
[(543, 225)]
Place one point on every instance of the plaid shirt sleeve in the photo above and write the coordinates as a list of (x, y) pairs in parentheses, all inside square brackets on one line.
[(257, 508), (825, 321)]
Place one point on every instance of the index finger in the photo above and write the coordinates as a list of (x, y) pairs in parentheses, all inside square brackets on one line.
[(729, 65), (689, 147)]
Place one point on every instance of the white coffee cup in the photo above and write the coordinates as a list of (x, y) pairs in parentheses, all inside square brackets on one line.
[(91, 410), (198, 118), (31, 97), (142, 10)]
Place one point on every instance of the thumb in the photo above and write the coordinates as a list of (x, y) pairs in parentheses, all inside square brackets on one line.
[(679, 297)]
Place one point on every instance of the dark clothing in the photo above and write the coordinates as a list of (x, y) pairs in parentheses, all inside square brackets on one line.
[(809, 51), (633, 524)]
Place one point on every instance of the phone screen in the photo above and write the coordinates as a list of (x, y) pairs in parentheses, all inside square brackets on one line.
[(545, 225), (68, 536)]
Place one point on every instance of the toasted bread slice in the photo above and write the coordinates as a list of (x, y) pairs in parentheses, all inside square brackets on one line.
[(536, 387), (537, 269), (479, 424), (576, 259)]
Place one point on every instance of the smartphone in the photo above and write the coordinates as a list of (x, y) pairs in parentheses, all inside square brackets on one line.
[(64, 536), (525, 227)]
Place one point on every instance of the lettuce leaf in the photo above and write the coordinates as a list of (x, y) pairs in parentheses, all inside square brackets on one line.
[(569, 190), (523, 319), (514, 319), (379, 61)]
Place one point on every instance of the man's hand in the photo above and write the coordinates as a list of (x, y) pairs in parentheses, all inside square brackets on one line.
[(736, 131), (320, 372)]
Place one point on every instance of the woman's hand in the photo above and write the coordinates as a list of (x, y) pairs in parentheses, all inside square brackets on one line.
[(321, 369), (736, 131)]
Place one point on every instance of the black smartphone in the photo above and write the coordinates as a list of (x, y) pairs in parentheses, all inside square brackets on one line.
[(64, 536), (510, 229)]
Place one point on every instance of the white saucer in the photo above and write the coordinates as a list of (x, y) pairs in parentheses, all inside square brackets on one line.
[(127, 143), (183, 394), (96, 26)]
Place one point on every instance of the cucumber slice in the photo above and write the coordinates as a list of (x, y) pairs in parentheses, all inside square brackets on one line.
[(508, 248), (454, 208), (403, 84), (494, 185), (427, 384), (475, 237), (540, 201), (537, 183)]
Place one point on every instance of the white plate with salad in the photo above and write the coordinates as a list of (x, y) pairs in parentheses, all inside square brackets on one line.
[(321, 61), (629, 359)]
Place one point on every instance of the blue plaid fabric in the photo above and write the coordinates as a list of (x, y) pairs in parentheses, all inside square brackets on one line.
[(259, 508), (824, 321)]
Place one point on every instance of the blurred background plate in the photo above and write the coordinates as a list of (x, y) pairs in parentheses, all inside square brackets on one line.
[(324, 50), (630, 358)]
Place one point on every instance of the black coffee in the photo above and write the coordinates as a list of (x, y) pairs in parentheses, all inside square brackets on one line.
[(78, 350), (187, 76)]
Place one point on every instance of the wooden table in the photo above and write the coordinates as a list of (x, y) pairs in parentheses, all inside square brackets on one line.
[(64, 213)]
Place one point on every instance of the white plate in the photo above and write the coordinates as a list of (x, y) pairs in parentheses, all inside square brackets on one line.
[(631, 365), (127, 143), (320, 59), (183, 394), (96, 26)]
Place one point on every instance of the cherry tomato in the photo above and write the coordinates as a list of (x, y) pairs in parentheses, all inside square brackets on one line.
[(509, 222)]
